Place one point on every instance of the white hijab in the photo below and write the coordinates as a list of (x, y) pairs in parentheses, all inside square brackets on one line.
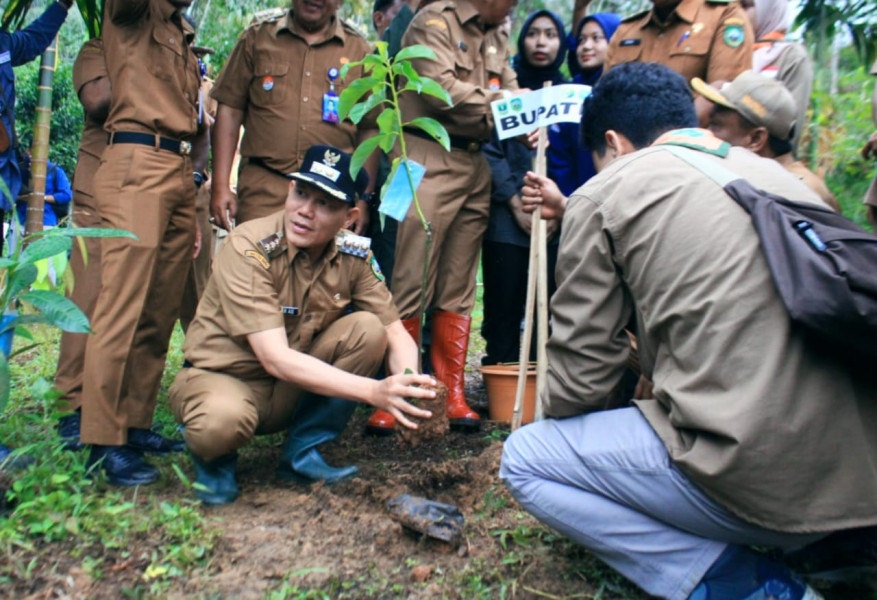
[(770, 16)]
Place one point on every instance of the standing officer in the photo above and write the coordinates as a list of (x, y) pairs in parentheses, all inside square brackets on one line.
[(710, 39), (144, 185), (282, 84), (92, 85), (473, 67), (18, 48), (295, 315)]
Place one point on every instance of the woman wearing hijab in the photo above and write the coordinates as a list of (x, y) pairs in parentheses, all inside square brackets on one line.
[(569, 165), (506, 247), (778, 58)]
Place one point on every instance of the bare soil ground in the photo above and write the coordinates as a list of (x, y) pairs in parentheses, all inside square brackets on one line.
[(292, 541)]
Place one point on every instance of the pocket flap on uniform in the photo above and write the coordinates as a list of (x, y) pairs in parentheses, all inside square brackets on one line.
[(168, 39), (692, 44), (275, 68)]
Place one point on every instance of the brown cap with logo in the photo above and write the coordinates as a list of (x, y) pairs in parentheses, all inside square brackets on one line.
[(762, 101)]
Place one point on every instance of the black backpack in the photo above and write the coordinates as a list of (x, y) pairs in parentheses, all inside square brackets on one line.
[(824, 266)]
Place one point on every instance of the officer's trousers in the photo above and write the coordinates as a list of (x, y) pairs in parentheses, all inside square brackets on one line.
[(455, 198), (222, 413), (606, 481), (150, 193), (261, 192), (86, 287), (199, 271)]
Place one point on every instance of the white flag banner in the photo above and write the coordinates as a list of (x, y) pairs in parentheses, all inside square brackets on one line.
[(524, 113)]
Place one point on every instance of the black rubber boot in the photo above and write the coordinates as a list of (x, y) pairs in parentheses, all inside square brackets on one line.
[(317, 420), (214, 481)]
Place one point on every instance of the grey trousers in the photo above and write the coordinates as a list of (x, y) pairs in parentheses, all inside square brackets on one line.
[(605, 480)]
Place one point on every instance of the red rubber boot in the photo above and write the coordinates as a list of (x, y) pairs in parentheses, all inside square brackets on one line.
[(450, 341), (381, 422)]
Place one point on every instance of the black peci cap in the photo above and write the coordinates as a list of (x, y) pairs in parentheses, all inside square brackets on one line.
[(328, 169)]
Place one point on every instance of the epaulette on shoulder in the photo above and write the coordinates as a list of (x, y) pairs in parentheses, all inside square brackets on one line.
[(269, 15), (636, 16), (350, 243), (273, 245), (351, 27)]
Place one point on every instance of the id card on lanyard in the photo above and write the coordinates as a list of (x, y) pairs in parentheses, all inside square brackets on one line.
[(330, 99)]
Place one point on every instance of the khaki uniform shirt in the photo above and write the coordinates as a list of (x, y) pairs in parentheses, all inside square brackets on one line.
[(710, 39), (153, 71), (472, 59), (89, 66), (811, 179), (778, 433), (260, 283), (278, 80)]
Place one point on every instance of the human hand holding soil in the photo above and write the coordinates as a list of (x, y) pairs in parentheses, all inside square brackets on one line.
[(390, 395)]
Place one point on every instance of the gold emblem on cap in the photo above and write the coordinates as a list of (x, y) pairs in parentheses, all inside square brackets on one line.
[(331, 158)]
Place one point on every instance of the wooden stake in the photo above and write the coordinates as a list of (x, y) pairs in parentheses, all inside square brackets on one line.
[(537, 281)]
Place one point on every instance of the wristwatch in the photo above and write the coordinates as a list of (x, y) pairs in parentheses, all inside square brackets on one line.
[(200, 178), (369, 198)]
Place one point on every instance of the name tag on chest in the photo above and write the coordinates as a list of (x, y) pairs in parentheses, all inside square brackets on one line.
[(290, 311)]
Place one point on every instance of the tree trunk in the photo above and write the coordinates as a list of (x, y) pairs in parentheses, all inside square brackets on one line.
[(39, 150)]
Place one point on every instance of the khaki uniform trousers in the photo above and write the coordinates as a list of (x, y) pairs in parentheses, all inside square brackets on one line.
[(222, 413), (86, 287), (455, 197), (199, 271), (150, 193), (261, 192)]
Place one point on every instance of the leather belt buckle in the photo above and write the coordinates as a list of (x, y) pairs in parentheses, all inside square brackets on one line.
[(185, 148), (473, 146)]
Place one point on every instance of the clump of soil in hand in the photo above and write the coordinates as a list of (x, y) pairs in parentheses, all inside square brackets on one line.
[(428, 430)]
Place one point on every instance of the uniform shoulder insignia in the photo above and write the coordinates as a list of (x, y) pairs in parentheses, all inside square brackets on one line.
[(351, 27), (273, 245), (636, 16), (350, 243), (436, 23), (269, 15)]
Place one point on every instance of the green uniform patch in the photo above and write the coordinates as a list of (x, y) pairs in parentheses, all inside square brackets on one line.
[(376, 268), (733, 36)]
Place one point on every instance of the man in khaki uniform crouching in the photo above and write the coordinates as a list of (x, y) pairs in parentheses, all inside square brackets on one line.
[(295, 315)]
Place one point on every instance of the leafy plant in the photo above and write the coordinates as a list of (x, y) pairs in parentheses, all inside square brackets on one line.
[(381, 86), (18, 272)]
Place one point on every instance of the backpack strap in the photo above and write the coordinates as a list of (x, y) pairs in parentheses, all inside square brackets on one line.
[(708, 167)]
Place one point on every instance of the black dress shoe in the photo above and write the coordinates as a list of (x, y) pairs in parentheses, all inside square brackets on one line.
[(121, 465), (15, 462), (148, 442), (68, 431)]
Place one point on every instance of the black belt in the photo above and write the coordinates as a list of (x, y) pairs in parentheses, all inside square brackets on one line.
[(251, 160), (460, 143), (148, 139)]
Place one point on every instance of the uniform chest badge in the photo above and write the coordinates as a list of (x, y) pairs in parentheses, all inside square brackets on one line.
[(268, 83), (696, 28), (491, 49)]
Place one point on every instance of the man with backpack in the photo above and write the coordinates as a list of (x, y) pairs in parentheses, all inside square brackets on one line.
[(755, 435)]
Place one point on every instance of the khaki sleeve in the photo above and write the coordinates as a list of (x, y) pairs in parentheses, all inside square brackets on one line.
[(233, 84), (369, 291), (470, 102), (588, 350), (90, 64), (728, 58), (247, 295)]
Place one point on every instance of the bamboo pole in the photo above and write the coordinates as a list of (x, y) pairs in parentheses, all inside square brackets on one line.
[(40, 147), (536, 278)]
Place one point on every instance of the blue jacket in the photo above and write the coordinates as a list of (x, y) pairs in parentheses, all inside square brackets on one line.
[(57, 185), (16, 49)]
